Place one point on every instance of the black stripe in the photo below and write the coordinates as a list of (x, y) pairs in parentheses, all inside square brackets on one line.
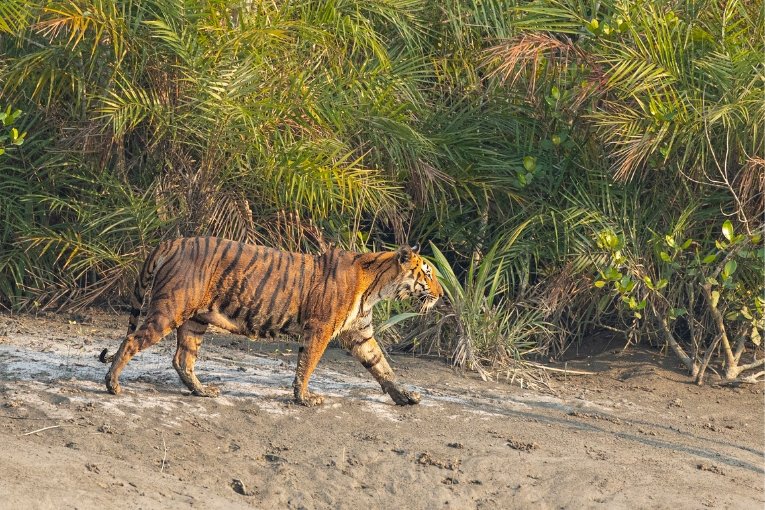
[(265, 328), (374, 284), (232, 290), (335, 265), (277, 290), (197, 251), (232, 265), (220, 258), (369, 263), (362, 341), (242, 283), (301, 280), (285, 272), (167, 264), (286, 326), (326, 275), (263, 281), (288, 292), (199, 320), (249, 318), (374, 361), (200, 326), (165, 277)]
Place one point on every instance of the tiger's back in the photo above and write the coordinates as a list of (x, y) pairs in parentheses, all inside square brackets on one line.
[(259, 291), (245, 289)]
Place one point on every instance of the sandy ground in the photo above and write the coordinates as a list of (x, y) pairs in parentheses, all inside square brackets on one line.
[(636, 435)]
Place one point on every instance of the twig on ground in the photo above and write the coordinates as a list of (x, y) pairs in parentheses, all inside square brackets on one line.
[(759, 377), (561, 370), (164, 457), (40, 430)]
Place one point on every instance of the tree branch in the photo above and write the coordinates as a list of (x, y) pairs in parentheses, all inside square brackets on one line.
[(689, 363)]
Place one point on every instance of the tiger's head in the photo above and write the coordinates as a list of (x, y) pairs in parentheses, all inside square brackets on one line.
[(418, 278)]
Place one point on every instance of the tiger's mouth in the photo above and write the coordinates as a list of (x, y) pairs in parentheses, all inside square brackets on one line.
[(424, 296), (427, 302)]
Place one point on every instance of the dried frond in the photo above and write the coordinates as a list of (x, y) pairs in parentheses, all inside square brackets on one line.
[(289, 231), (425, 179), (513, 57)]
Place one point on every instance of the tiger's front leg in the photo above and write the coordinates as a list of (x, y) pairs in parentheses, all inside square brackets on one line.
[(365, 349)]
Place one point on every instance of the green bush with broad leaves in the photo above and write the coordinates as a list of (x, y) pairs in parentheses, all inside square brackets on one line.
[(10, 135), (712, 286)]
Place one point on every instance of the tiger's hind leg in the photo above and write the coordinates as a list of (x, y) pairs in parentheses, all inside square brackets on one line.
[(364, 348), (189, 340), (154, 329), (308, 357)]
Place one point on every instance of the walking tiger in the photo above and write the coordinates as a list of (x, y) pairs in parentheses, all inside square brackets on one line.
[(258, 291)]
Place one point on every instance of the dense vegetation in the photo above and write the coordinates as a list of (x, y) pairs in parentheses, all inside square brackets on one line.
[(578, 166)]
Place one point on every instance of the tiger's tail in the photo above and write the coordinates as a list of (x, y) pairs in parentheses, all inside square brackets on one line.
[(142, 283)]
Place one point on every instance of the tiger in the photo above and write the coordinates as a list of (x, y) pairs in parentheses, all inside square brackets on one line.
[(259, 291)]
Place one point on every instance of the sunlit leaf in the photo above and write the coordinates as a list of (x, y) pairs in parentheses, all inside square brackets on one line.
[(727, 230)]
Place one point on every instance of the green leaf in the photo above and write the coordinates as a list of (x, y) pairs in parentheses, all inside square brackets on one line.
[(648, 282), (556, 139), (730, 267), (638, 315), (555, 92), (727, 230), (679, 312), (612, 274), (686, 244), (661, 284), (665, 256), (719, 245), (715, 298), (670, 241), (599, 284), (392, 321), (709, 259), (530, 163), (755, 337)]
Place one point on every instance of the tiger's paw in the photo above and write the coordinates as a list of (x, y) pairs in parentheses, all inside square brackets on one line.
[(310, 400), (206, 391), (113, 387), (403, 397)]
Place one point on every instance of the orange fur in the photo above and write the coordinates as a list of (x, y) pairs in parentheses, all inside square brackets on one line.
[(258, 291)]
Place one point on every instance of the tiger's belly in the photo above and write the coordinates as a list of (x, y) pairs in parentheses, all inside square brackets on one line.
[(247, 322)]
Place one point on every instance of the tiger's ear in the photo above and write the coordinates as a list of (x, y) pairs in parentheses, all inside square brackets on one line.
[(416, 248), (404, 254)]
